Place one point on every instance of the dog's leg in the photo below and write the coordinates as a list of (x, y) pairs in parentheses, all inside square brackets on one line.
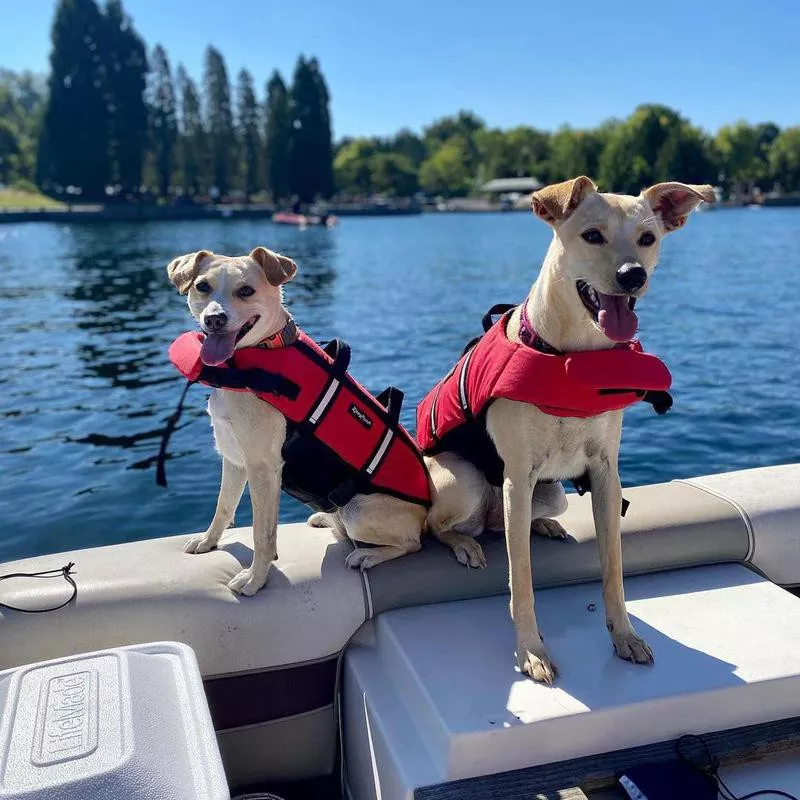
[(606, 507), (531, 656), (549, 500), (234, 478), (265, 487), (466, 550), (459, 508), (368, 557), (392, 524), (322, 519)]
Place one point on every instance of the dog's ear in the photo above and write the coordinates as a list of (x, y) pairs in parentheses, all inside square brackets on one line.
[(555, 203), (673, 202), (278, 269), (183, 270)]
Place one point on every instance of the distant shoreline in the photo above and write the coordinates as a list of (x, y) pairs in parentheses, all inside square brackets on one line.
[(155, 213)]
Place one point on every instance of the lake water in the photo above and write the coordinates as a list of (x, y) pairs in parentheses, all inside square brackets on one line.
[(88, 314)]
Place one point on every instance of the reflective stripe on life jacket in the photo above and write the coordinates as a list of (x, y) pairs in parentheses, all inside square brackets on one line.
[(452, 416), (340, 439)]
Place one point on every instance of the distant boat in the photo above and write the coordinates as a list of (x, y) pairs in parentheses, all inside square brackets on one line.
[(304, 220)]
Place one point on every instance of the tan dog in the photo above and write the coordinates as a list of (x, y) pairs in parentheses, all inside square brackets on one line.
[(237, 301), (604, 251)]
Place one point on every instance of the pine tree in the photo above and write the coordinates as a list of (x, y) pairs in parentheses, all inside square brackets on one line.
[(125, 58), (249, 132), (277, 138), (163, 119), (219, 120), (194, 141), (324, 143), (311, 153), (74, 146)]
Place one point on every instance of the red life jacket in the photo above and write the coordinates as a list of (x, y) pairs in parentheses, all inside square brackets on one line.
[(452, 416), (341, 441)]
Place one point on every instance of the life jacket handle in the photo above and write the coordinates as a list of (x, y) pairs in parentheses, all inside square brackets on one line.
[(340, 352), (391, 398), (495, 311)]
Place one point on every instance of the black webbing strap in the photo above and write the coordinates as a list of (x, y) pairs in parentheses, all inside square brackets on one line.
[(253, 378), (64, 572), (340, 352), (661, 401), (161, 461), (391, 398), (583, 484), (495, 311)]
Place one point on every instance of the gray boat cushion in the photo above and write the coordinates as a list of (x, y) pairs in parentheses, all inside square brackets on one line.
[(667, 525), (151, 590), (312, 604), (769, 498)]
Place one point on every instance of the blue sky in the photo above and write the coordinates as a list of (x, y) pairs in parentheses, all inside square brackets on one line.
[(392, 64)]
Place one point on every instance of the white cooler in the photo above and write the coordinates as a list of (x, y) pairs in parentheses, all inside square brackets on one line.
[(131, 722)]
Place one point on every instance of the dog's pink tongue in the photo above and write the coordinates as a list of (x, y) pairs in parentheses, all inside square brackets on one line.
[(616, 318), (217, 348)]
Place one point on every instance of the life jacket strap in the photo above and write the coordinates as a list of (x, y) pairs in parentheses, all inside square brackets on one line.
[(258, 380), (340, 352), (391, 398), (255, 379), (661, 401), (583, 484), (161, 461), (496, 310)]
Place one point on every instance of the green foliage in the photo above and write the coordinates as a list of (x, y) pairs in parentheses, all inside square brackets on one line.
[(352, 167), (310, 145), (163, 120), (22, 101), (193, 137), (277, 138), (219, 120), (249, 132), (408, 144), (368, 166), (448, 171), (74, 145), (744, 152), (784, 158), (519, 152), (124, 61), (577, 152), (9, 150), (393, 174)]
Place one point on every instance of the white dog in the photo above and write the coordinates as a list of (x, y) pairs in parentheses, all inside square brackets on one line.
[(603, 254), (237, 301)]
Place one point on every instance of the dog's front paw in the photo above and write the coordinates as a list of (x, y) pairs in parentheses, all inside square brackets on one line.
[(629, 646), (246, 582), (534, 662), (363, 558), (469, 553), (201, 543), (549, 528)]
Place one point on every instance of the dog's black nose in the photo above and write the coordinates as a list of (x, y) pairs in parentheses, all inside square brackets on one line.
[(215, 322), (631, 277)]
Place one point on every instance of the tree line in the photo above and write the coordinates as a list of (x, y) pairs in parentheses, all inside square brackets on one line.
[(114, 121), (456, 155)]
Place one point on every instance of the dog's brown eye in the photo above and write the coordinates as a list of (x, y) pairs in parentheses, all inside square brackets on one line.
[(204, 287), (245, 291), (593, 236), (646, 239)]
